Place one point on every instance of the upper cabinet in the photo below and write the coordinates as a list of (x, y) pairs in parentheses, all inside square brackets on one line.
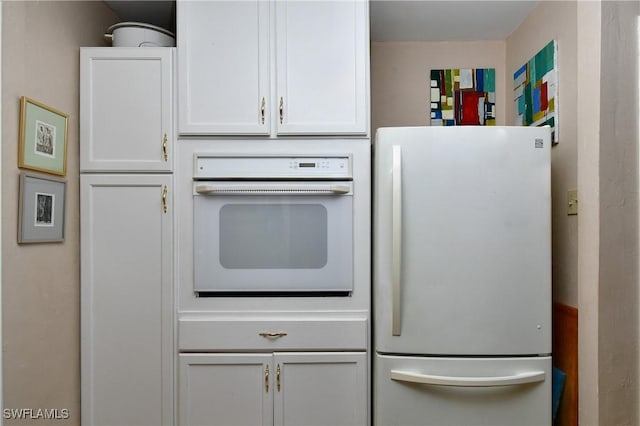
[(223, 67), (273, 68), (126, 105), (322, 67)]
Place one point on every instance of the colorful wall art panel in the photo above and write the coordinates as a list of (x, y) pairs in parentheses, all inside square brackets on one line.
[(465, 96), (535, 90)]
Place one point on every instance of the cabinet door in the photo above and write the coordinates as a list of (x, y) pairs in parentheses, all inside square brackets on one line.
[(125, 109), (223, 67), (321, 389), (225, 389), (322, 56), (126, 295)]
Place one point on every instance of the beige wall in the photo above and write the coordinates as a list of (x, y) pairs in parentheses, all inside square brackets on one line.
[(556, 20), (595, 266), (40, 282), (589, 19), (618, 285), (400, 77)]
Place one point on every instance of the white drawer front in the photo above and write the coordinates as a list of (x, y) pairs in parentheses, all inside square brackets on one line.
[(213, 335), (462, 391)]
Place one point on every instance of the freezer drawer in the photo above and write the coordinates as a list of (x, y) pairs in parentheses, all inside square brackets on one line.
[(462, 391)]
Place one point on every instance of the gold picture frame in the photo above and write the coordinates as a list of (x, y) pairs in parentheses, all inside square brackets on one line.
[(43, 138)]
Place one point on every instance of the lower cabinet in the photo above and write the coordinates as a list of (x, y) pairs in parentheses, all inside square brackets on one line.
[(281, 388), (127, 341)]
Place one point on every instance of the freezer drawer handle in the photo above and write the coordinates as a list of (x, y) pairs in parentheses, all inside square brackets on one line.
[(428, 379)]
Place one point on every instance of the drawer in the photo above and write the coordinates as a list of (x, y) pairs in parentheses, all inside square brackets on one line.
[(411, 390), (210, 334)]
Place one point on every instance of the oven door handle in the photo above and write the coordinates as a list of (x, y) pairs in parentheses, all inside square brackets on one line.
[(275, 189)]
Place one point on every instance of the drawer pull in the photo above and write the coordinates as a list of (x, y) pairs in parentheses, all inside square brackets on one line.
[(271, 335), (165, 154), (164, 198), (278, 378)]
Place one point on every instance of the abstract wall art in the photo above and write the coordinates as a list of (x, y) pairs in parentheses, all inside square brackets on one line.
[(463, 96), (535, 90)]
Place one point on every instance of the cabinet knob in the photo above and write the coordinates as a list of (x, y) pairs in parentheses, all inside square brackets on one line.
[(281, 110), (266, 378), (262, 108), (278, 378)]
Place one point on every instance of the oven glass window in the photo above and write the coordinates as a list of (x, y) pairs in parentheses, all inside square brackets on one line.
[(273, 236)]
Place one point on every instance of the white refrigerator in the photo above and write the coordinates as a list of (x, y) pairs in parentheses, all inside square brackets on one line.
[(462, 276)]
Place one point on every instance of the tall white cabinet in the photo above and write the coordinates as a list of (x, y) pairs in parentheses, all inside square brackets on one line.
[(126, 225), (274, 68)]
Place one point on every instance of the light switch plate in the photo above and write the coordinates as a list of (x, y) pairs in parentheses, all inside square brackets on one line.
[(572, 201)]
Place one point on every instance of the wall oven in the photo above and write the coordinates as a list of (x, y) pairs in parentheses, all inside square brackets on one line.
[(273, 225)]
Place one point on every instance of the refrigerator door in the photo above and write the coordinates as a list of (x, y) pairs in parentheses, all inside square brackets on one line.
[(462, 391), (462, 241)]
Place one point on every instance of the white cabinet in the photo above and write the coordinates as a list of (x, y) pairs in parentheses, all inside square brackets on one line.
[(273, 68), (126, 220), (225, 389), (282, 388), (223, 67), (126, 109), (322, 57), (316, 389), (126, 300)]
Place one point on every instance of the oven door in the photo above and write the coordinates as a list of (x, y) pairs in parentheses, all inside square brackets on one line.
[(273, 237)]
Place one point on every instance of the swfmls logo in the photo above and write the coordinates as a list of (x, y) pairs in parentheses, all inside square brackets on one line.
[(539, 143)]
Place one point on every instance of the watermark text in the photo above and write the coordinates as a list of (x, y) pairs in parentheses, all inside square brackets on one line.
[(36, 413)]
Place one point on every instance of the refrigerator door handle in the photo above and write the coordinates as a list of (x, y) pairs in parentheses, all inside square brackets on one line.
[(396, 240), (428, 379)]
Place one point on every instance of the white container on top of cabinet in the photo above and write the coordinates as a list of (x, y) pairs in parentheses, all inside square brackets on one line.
[(273, 67), (126, 108)]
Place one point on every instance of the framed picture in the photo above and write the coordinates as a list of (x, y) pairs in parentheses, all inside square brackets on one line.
[(43, 138), (463, 96), (535, 90), (41, 209)]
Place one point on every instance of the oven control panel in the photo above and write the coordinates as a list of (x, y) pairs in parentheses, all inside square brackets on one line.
[(221, 167)]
